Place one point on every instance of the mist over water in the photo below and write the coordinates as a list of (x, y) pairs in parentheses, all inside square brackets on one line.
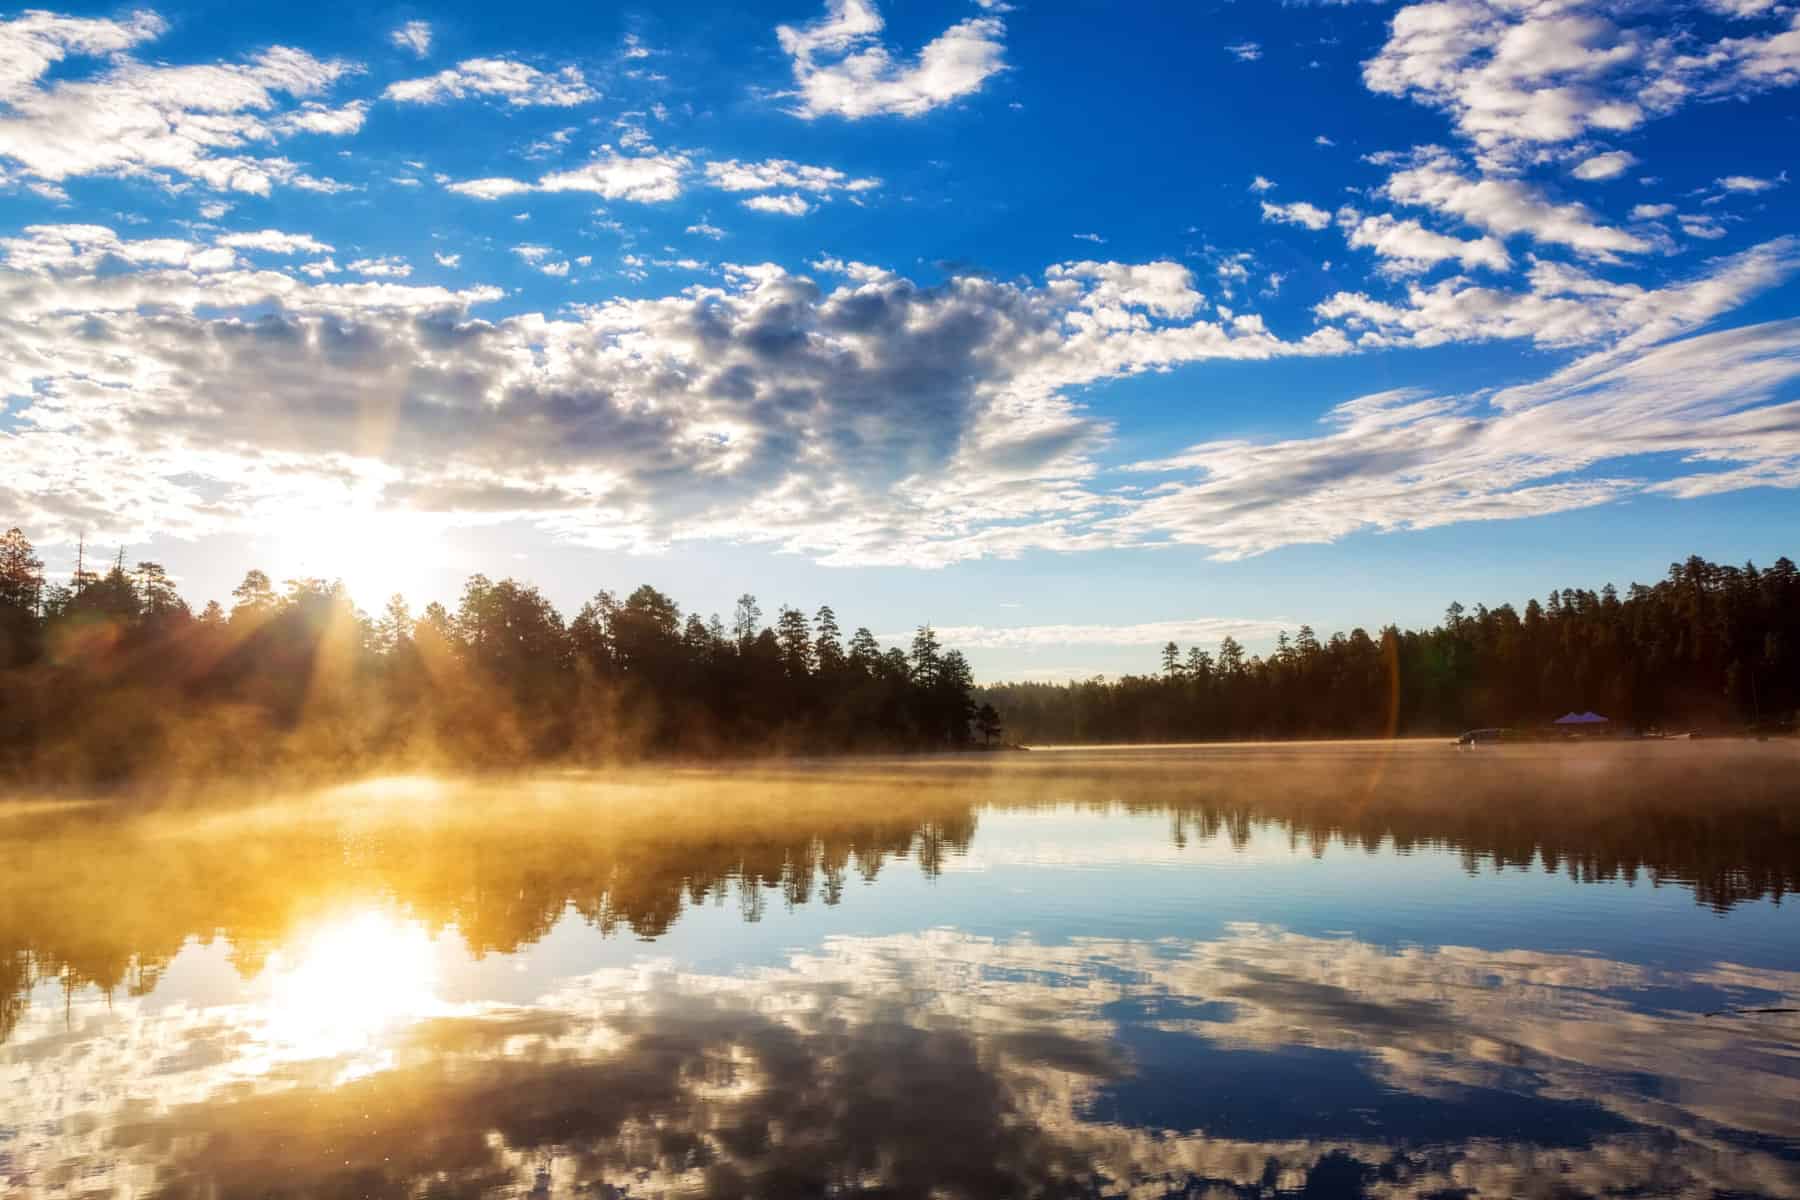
[(1335, 969)]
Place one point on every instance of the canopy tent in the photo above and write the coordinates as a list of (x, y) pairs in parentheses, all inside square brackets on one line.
[(1585, 718)]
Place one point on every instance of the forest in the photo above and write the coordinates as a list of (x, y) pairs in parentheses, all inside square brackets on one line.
[(113, 676), (1709, 647)]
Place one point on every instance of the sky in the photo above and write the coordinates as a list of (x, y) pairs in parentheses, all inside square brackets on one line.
[(1068, 328)]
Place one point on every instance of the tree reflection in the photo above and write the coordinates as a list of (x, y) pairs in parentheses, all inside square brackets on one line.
[(103, 898)]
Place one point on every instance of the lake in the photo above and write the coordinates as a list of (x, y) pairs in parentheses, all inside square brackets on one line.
[(1382, 969)]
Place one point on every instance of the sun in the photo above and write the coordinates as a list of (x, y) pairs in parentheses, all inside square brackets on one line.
[(374, 553), (346, 989)]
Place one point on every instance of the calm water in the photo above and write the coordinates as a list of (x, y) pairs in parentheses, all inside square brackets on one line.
[(1316, 970)]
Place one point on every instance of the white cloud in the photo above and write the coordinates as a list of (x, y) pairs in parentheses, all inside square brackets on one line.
[(515, 82), (1651, 212), (1089, 237), (1750, 183), (1244, 51), (877, 421), (1508, 207), (1260, 184), (33, 42), (842, 69), (779, 173), (1610, 165), (1114, 290), (789, 205), (1297, 213), (1562, 306), (273, 241), (706, 230), (1700, 225), (1322, 140), (385, 267), (317, 118), (1518, 74), (1190, 630), (414, 36), (168, 124), (1413, 460), (488, 189), (646, 178), (448, 260), (874, 421), (1408, 248)]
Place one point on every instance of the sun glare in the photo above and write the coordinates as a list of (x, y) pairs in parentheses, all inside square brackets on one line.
[(346, 988), (375, 554)]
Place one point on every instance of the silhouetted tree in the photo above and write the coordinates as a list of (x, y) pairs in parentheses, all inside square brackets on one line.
[(987, 720)]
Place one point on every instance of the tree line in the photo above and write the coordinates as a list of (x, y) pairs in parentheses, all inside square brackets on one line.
[(1709, 646), (113, 674)]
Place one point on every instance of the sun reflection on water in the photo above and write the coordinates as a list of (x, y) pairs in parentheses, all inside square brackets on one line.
[(346, 988)]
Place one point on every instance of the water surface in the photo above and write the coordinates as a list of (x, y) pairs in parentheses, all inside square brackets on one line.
[(1328, 970)]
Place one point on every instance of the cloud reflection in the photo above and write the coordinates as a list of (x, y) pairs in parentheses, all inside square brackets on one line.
[(943, 1064)]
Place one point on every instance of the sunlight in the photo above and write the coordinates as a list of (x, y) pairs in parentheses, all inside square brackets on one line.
[(346, 987), (376, 554)]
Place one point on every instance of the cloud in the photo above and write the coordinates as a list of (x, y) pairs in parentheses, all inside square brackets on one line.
[(779, 173), (1610, 165), (1651, 212), (517, 83), (1298, 213), (488, 189), (1414, 460), (36, 41), (1244, 51), (386, 267), (1206, 630), (1562, 305), (448, 260), (875, 421), (273, 241), (867, 420), (414, 36), (1700, 225), (645, 178), (790, 205), (1750, 183), (1408, 248), (706, 230), (1260, 184), (1518, 75), (1508, 207), (167, 124), (842, 69)]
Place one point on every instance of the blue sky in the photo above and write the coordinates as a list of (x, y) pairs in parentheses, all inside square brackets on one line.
[(1069, 328)]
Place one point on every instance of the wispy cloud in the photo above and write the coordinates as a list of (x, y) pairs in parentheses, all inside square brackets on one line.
[(414, 36)]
